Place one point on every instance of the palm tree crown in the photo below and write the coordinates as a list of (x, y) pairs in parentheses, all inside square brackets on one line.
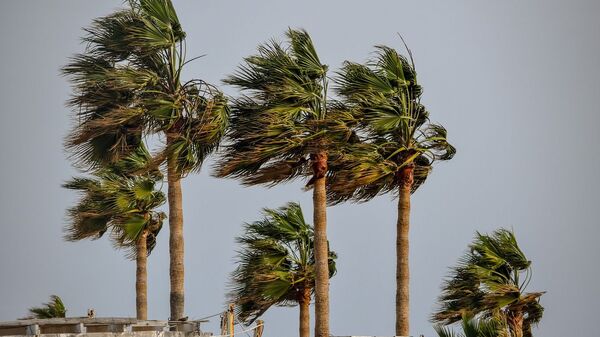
[(395, 133), (55, 308), (128, 84), (118, 202), (490, 280), (285, 119)]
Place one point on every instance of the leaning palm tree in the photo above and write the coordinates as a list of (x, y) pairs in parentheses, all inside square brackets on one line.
[(128, 85), (284, 127), (55, 308), (490, 281), (276, 265), (397, 149), (124, 205)]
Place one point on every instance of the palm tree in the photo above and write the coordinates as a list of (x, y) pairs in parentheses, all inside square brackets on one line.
[(55, 308), (284, 127), (128, 86), (276, 265), (473, 327), (490, 281), (397, 149), (123, 205)]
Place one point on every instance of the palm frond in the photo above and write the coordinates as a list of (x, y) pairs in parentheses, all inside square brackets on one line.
[(55, 308), (489, 281)]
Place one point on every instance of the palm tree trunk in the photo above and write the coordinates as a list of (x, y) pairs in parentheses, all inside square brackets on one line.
[(305, 313), (176, 271), (141, 277), (402, 271), (319, 164)]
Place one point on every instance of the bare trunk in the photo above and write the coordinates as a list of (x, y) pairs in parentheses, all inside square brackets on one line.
[(321, 246), (141, 277), (176, 270), (402, 271), (515, 324), (305, 313)]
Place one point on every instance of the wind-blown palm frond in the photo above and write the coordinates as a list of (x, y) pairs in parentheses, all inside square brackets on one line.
[(284, 116), (119, 202), (490, 281), (276, 263), (384, 96), (55, 308), (127, 85)]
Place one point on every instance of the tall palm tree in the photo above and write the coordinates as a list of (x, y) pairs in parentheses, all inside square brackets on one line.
[(490, 281), (284, 127), (55, 308), (124, 205), (397, 149), (473, 327), (276, 265), (128, 85)]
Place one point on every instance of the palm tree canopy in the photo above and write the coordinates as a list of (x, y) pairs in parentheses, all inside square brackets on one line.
[(276, 262), (490, 281), (55, 308), (394, 128), (284, 116), (128, 84), (118, 202)]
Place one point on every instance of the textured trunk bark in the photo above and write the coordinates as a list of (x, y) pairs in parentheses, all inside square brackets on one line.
[(402, 271), (305, 313), (321, 246), (176, 271), (515, 323), (141, 277)]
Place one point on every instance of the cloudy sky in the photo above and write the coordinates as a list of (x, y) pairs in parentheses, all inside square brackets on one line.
[(516, 84)]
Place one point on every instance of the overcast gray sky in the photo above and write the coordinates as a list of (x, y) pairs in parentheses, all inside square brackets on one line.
[(516, 84)]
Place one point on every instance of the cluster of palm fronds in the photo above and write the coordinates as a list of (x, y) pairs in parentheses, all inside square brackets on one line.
[(394, 127), (276, 263), (490, 282), (117, 201), (55, 308)]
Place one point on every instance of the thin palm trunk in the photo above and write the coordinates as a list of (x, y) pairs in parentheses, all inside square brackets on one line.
[(321, 249), (141, 277), (304, 302), (402, 271), (176, 271)]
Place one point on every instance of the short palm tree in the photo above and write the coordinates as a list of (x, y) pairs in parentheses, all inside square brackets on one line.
[(397, 149), (490, 281), (284, 127), (473, 327), (276, 265), (124, 205), (128, 85), (55, 308)]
